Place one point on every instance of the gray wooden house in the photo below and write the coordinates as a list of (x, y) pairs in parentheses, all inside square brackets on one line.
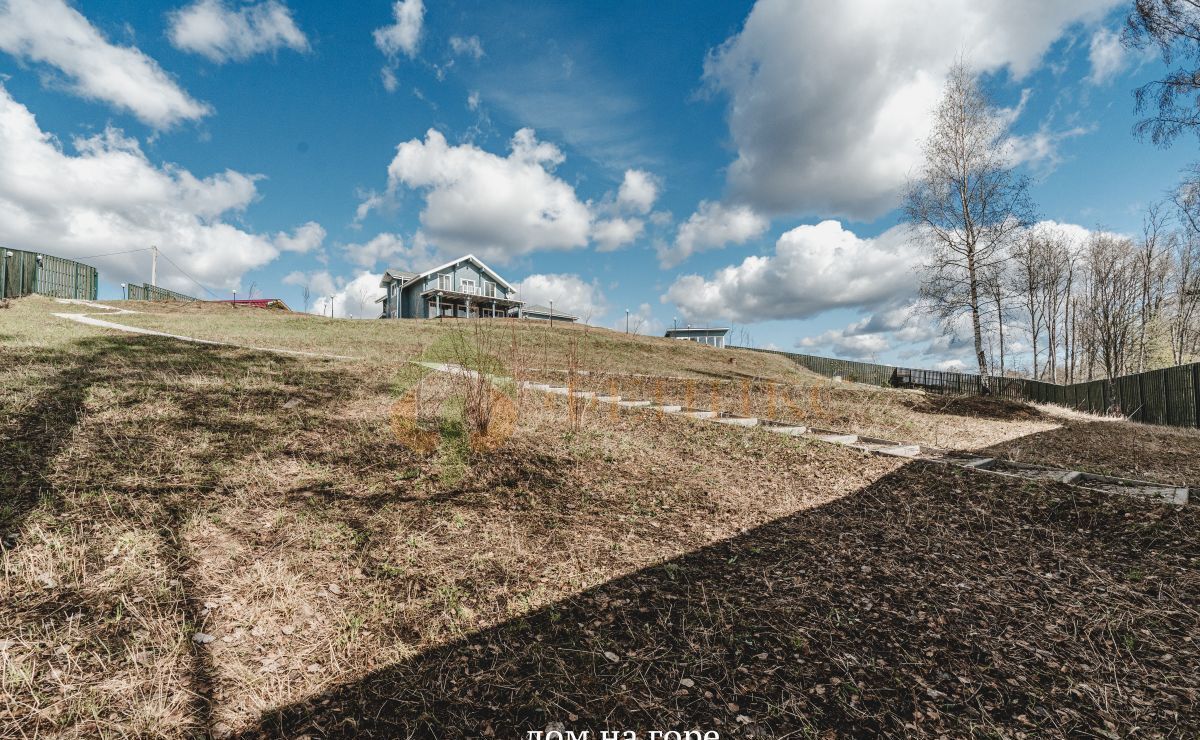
[(464, 288), (713, 336)]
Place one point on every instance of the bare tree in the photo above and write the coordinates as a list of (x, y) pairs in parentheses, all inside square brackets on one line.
[(307, 293), (1174, 27), (994, 284), (1112, 302), (363, 297), (966, 204), (1153, 266), (1026, 281)]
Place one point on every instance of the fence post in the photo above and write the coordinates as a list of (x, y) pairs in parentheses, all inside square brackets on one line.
[(1196, 391)]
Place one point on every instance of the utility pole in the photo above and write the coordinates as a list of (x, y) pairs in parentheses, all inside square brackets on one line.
[(154, 266), (551, 313)]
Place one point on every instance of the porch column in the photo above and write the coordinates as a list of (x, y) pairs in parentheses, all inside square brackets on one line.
[(439, 306)]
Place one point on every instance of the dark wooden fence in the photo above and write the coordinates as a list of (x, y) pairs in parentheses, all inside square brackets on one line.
[(1169, 396), (148, 292), (23, 273)]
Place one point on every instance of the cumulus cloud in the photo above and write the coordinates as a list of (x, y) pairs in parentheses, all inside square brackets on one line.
[(214, 30), (613, 233), (319, 283), (51, 32), (498, 207), (808, 142), (305, 238), (404, 35), (353, 299), (814, 269), (1107, 56), (570, 293), (639, 190), (108, 196), (391, 250), (869, 337), (712, 226), (466, 46), (641, 321)]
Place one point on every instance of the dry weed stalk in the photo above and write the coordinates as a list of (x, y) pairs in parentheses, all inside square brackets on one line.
[(576, 405)]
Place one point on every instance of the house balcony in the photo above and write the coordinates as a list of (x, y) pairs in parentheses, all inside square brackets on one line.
[(466, 304)]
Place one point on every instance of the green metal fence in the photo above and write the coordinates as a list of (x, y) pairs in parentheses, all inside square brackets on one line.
[(23, 273), (147, 292), (1169, 396)]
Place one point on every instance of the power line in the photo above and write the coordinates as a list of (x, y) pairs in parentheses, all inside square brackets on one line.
[(185, 274), (111, 254)]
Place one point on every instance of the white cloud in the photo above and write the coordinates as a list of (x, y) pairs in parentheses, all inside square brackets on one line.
[(1107, 56), (403, 36), (712, 226), (614, 233), (498, 207), (852, 346), (388, 75), (391, 250), (570, 293), (352, 299), (304, 238), (638, 191), (108, 197), (214, 30), (873, 335), (320, 283), (826, 123), (641, 321), (468, 46), (51, 32), (473, 100), (814, 269)]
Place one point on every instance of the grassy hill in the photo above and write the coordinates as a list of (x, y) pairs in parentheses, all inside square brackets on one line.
[(391, 342), (204, 539)]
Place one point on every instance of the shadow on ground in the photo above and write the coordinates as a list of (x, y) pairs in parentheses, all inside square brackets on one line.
[(1125, 449), (170, 414), (933, 602)]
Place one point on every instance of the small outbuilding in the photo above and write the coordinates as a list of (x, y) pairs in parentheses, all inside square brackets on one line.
[(712, 336), (541, 313)]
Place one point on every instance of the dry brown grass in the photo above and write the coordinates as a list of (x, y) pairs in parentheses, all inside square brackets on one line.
[(164, 493), (877, 412), (169, 493), (388, 342)]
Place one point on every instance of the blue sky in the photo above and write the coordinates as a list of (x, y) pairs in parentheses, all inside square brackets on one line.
[(260, 144)]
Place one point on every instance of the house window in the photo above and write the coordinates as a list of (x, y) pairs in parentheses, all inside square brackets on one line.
[(467, 286), (489, 289), (445, 282)]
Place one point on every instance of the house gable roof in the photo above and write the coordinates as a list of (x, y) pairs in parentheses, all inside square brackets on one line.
[(390, 275), (469, 258)]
